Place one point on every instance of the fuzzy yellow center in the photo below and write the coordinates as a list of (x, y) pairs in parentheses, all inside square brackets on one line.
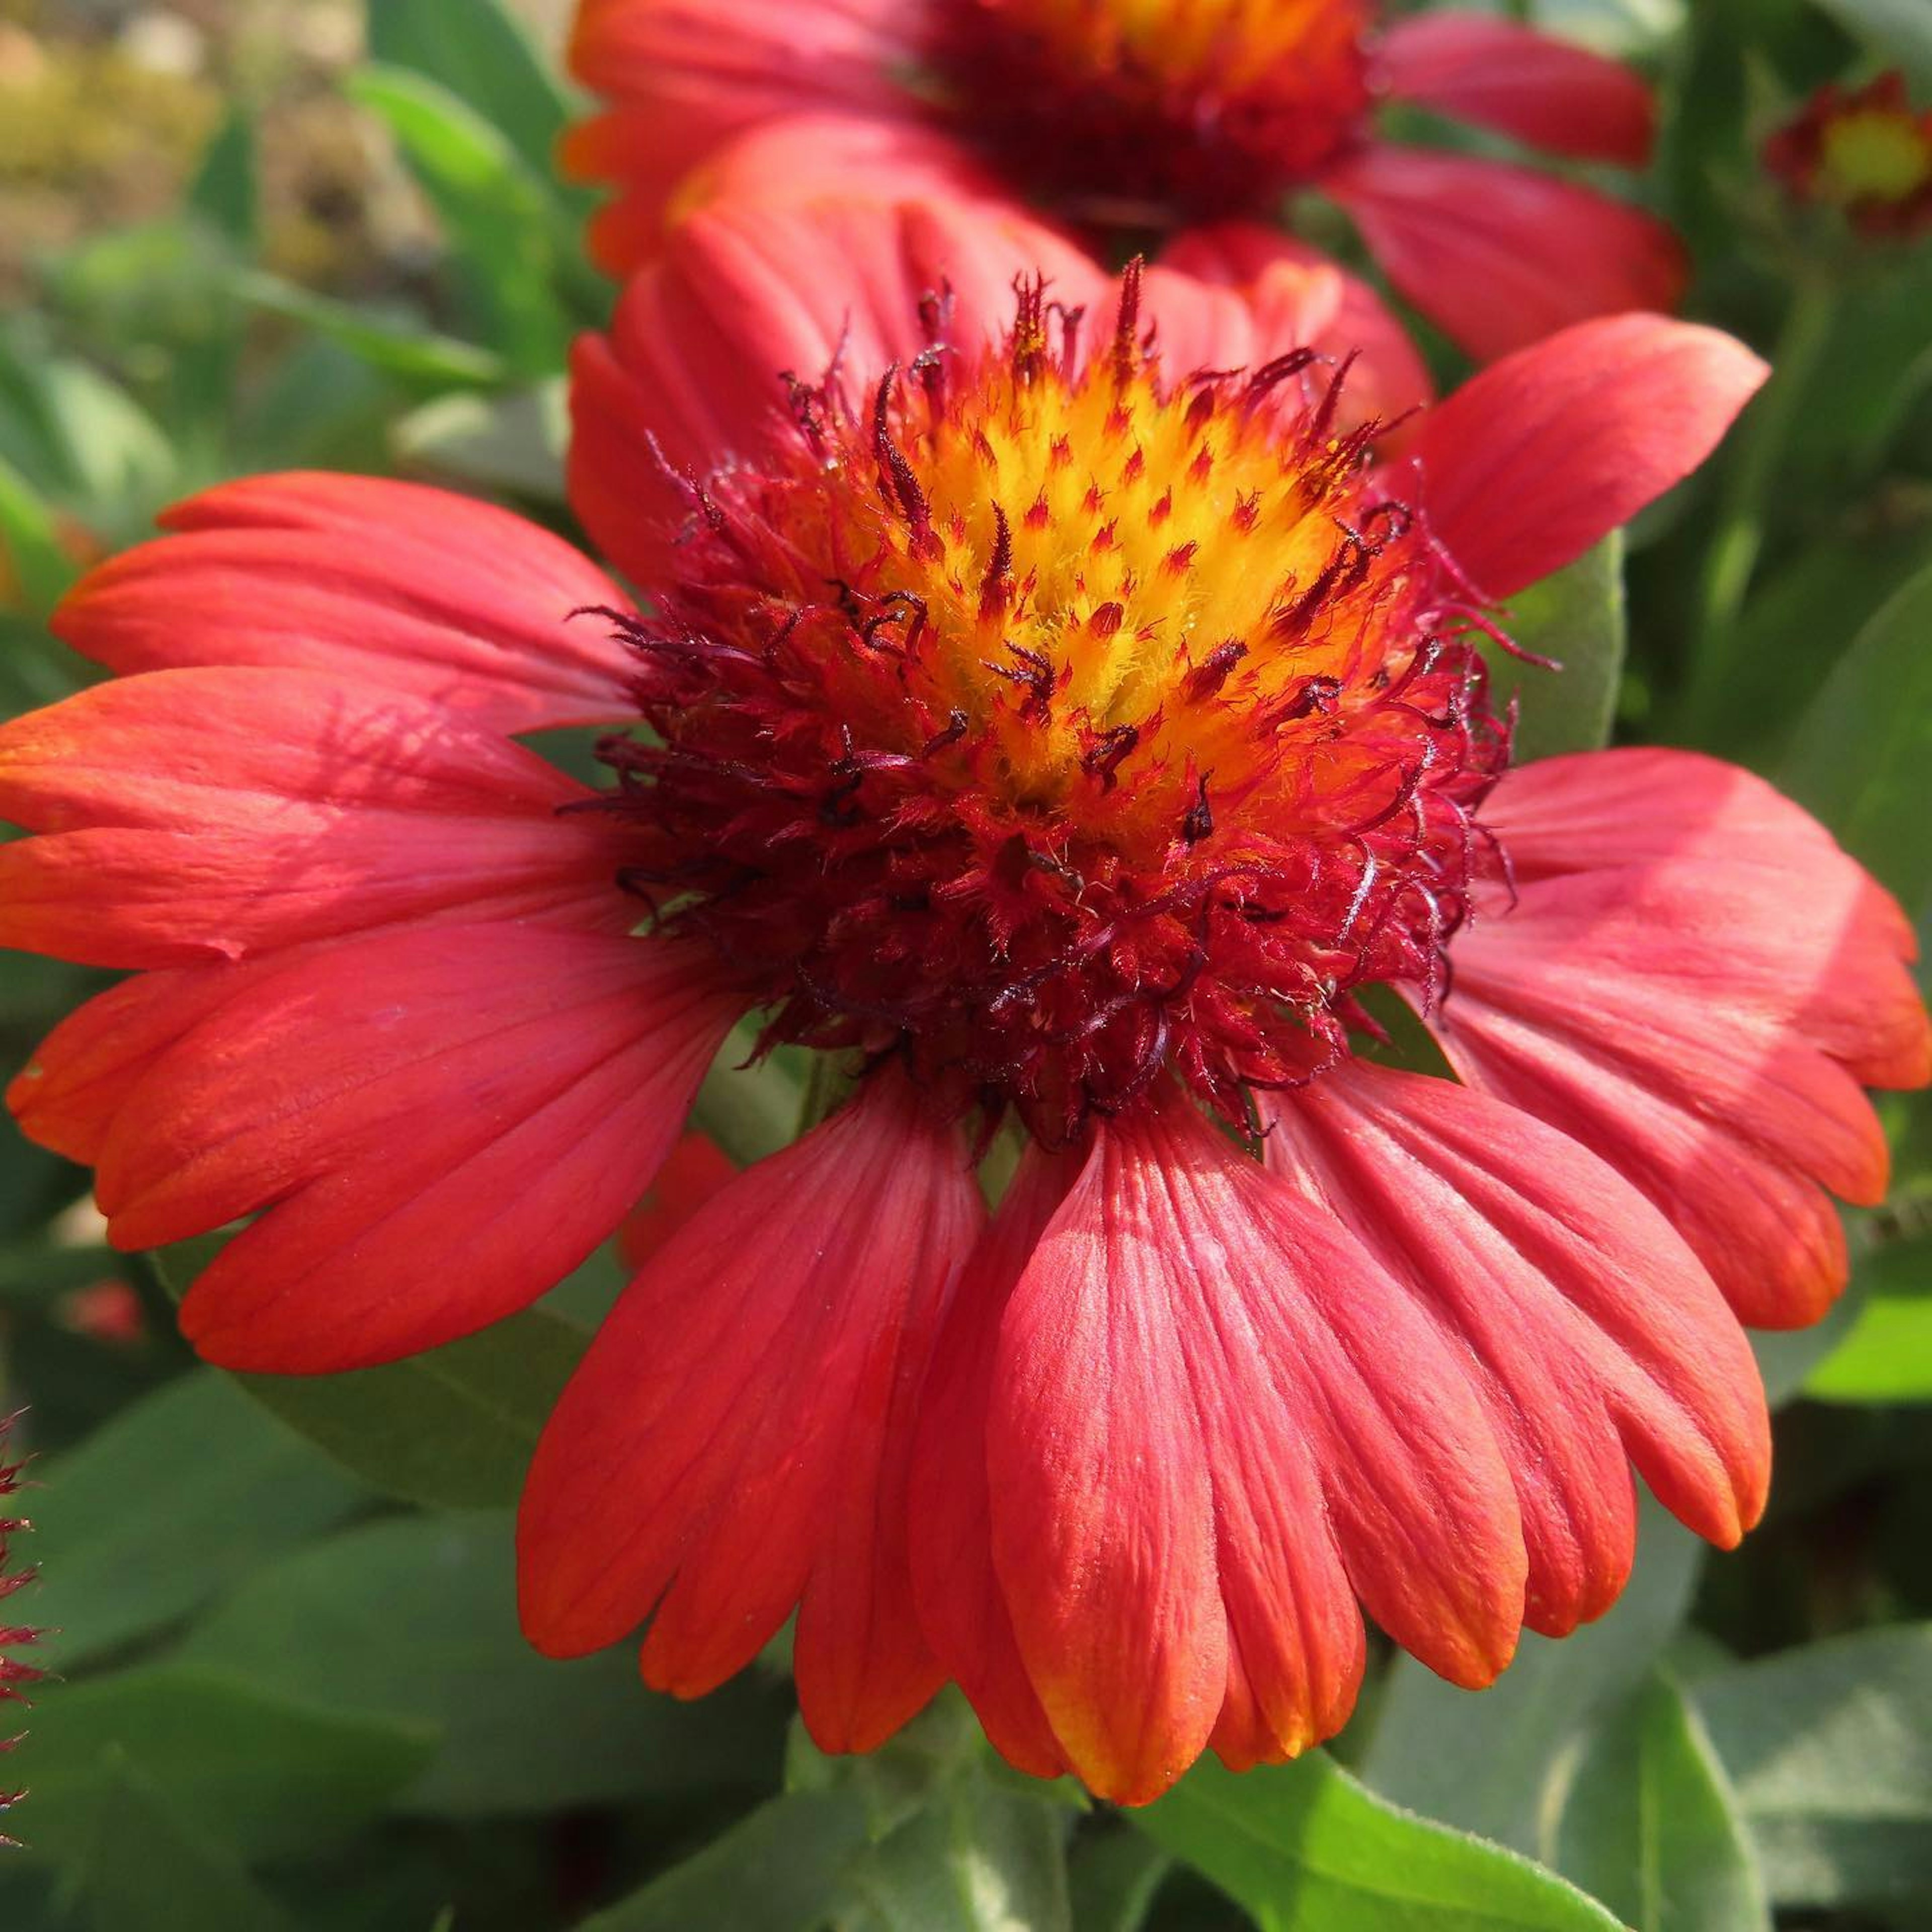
[(1877, 156)]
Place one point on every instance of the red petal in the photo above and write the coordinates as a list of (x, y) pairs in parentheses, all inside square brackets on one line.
[(1286, 296), (1548, 93), (961, 1607), (1533, 460), (211, 813), (66, 1097), (442, 1123), (684, 77), (693, 367), (738, 1438), (1594, 1331), (695, 1170), (1211, 1415), (390, 584), (1502, 256), (1652, 994)]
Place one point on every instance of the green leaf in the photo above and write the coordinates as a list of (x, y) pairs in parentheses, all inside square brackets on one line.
[(1829, 1749), (978, 1857), (1885, 1354), (1860, 757), (778, 1871), (453, 1428), (1577, 617), (150, 1872), (961, 1843), (479, 51), (1112, 1880), (399, 346), (514, 442), (749, 1111), (175, 1499), (30, 545), (264, 1776), (1303, 1845), (415, 1619), (499, 220), (1886, 1358), (225, 191), (1489, 1761), (1649, 1825), (1901, 30)]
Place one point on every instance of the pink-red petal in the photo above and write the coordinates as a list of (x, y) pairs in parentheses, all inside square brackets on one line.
[(66, 1096), (1593, 1331), (684, 77), (440, 1123), (961, 1606), (1548, 93), (1502, 256), (211, 813), (737, 1440), (1535, 459), (1655, 992), (394, 584), (1212, 1422)]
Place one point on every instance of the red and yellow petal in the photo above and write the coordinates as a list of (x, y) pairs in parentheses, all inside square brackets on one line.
[(683, 77), (1596, 1335), (736, 1442), (1214, 1423), (1651, 994), (440, 1123), (393, 584), (215, 813), (1535, 459), (961, 1607)]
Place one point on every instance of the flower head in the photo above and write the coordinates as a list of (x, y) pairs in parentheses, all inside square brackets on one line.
[(1052, 724), (1865, 150), (1139, 116), (1063, 733)]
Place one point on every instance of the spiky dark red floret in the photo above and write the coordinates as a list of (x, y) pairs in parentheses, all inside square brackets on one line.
[(14, 1674)]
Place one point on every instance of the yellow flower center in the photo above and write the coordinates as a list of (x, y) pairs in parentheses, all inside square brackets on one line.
[(1875, 155)]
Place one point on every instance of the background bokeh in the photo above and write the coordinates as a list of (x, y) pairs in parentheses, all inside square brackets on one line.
[(244, 234)]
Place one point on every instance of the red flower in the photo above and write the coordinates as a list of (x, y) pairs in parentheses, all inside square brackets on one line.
[(1068, 736), (1865, 150), (13, 1672), (1143, 118)]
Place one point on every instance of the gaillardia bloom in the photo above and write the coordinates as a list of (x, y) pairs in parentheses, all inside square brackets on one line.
[(1140, 115), (1865, 150), (1069, 738)]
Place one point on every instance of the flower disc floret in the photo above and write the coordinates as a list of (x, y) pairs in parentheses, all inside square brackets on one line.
[(1050, 722), (1193, 108)]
